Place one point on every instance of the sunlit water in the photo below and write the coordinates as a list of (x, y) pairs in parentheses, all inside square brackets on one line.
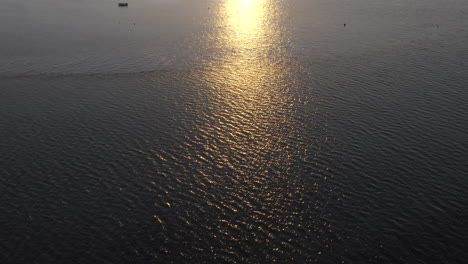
[(234, 131)]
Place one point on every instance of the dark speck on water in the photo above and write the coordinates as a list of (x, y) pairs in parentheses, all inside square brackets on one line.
[(237, 135)]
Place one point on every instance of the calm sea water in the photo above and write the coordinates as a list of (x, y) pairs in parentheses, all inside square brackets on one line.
[(234, 131)]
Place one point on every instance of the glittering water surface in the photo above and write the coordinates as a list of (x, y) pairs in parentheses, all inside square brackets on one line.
[(233, 131)]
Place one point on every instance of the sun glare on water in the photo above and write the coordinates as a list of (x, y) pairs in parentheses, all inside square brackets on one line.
[(250, 84)]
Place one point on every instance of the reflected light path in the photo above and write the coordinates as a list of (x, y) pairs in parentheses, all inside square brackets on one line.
[(246, 142), (248, 127), (251, 98)]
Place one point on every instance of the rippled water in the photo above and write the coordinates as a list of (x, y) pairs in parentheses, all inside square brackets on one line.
[(233, 131)]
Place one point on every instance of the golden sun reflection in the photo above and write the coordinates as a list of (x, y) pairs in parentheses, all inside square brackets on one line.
[(247, 115), (250, 38), (243, 147), (250, 96), (245, 20)]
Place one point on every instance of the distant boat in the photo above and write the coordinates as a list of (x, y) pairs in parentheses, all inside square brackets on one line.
[(123, 4)]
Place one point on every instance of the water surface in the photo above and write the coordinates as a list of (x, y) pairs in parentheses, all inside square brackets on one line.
[(234, 131)]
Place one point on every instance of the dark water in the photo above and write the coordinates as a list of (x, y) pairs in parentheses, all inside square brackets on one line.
[(234, 131)]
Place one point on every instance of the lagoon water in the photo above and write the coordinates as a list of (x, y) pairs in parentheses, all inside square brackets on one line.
[(234, 131)]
